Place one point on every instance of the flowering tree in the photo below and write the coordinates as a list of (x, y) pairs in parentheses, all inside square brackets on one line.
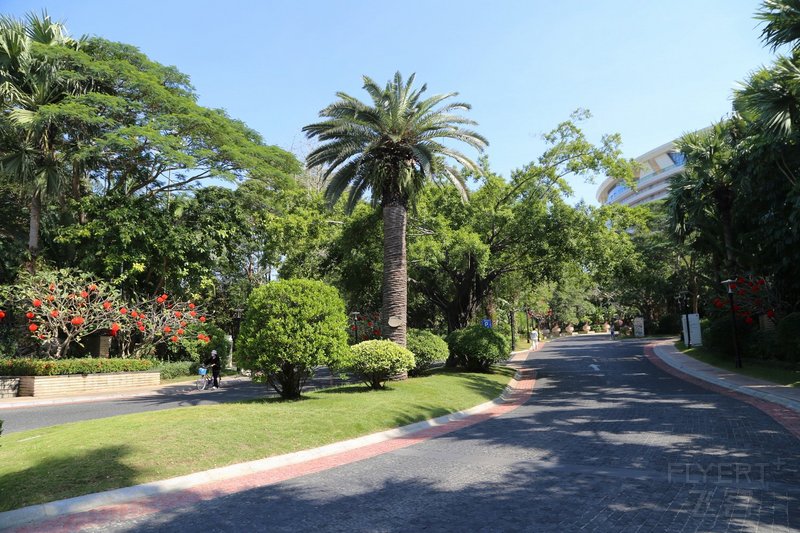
[(64, 306), (752, 297)]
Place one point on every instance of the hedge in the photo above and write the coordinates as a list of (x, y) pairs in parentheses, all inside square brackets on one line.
[(477, 348), (376, 361), (427, 348), (176, 369), (60, 367)]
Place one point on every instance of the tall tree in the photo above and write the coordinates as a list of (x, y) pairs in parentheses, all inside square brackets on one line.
[(33, 78), (390, 148)]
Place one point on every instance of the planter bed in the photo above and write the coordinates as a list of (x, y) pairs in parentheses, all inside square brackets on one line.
[(50, 386)]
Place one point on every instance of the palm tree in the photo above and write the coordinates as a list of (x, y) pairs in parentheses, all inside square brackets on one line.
[(30, 80), (390, 148), (782, 23), (702, 197)]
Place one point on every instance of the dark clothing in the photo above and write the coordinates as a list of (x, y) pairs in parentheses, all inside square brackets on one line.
[(215, 365)]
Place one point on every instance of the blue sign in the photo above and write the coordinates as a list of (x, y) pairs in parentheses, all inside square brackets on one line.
[(487, 323)]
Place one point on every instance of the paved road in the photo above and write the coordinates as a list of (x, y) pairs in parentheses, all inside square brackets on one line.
[(232, 390), (619, 446)]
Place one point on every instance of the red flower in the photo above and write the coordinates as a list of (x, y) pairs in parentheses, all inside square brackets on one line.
[(181, 331), (37, 302), (353, 327), (42, 337), (174, 338), (50, 297), (92, 287), (748, 320), (193, 313), (183, 323), (84, 294), (369, 324), (141, 328), (191, 305), (732, 286), (140, 324), (177, 314), (123, 311), (2, 314), (376, 332), (52, 286), (160, 300), (134, 314), (167, 329), (33, 327), (54, 313), (740, 279), (107, 305), (164, 296), (29, 315), (114, 327), (202, 319), (77, 321), (771, 313)]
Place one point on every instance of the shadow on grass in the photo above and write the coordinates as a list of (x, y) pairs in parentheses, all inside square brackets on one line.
[(72, 474)]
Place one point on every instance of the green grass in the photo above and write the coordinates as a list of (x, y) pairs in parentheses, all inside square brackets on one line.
[(69, 460), (766, 370)]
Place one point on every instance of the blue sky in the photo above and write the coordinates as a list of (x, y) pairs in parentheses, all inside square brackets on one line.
[(649, 70)]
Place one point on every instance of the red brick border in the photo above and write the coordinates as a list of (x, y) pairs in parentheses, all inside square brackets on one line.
[(786, 417), (512, 399)]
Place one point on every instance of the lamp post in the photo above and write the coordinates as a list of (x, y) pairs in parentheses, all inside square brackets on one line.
[(237, 321), (729, 283), (683, 301), (354, 326)]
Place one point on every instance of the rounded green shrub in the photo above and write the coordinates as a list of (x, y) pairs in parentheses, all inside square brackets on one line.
[(477, 348), (376, 361), (428, 348), (787, 335), (290, 327), (176, 369)]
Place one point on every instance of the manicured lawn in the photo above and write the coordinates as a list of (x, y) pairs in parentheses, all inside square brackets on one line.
[(765, 370), (84, 457)]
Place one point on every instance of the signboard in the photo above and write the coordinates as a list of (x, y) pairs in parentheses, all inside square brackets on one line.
[(638, 327), (487, 323), (695, 337)]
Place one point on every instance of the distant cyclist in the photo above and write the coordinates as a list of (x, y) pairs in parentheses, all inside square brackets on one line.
[(214, 363)]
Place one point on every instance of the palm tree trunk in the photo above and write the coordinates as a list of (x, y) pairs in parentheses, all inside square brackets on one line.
[(395, 276), (33, 232)]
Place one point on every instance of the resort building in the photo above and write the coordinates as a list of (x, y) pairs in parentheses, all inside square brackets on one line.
[(652, 180)]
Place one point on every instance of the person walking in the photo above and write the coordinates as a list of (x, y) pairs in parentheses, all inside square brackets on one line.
[(534, 339), (612, 331), (215, 365)]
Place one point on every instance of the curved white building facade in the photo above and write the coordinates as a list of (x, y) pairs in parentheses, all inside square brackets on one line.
[(652, 179)]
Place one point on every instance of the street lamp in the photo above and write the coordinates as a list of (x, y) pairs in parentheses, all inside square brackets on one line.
[(729, 284), (683, 309), (354, 327), (237, 321)]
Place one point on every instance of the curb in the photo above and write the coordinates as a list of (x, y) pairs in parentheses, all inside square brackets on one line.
[(515, 394)]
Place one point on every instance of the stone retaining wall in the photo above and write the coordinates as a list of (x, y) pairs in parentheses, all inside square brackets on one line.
[(50, 386), (9, 386)]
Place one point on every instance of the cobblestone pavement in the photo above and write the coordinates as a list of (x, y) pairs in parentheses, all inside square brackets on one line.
[(607, 442)]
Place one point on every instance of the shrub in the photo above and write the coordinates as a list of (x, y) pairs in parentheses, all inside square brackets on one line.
[(788, 337), (290, 327), (762, 345), (477, 348), (376, 361), (176, 369), (53, 367), (427, 348)]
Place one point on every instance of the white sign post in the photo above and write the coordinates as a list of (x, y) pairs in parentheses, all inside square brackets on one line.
[(638, 327), (695, 336)]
